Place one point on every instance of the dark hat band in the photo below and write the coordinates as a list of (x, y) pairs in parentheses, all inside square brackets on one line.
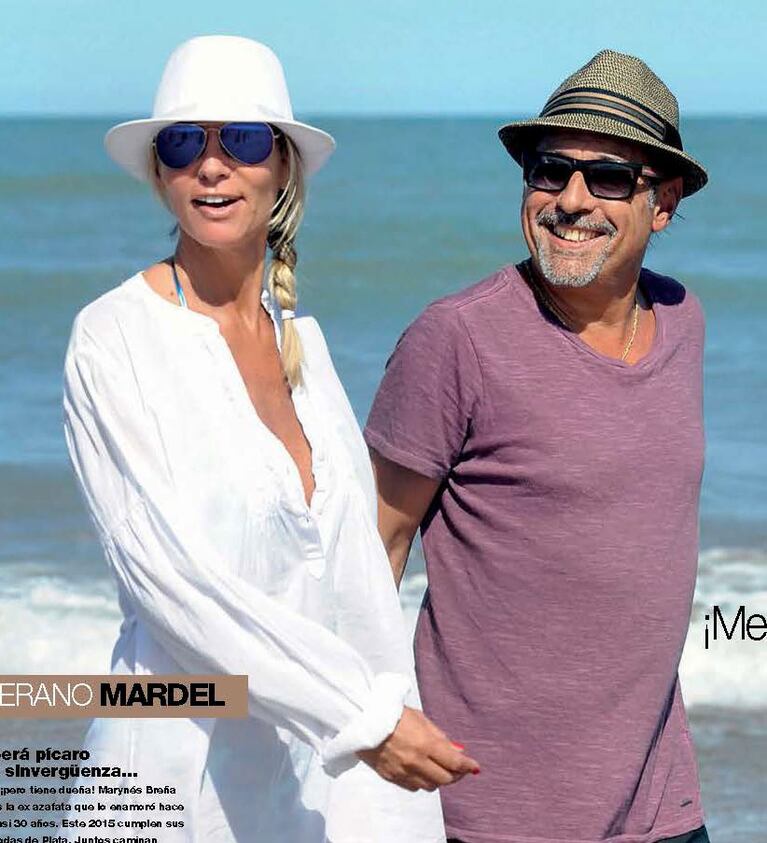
[(598, 101)]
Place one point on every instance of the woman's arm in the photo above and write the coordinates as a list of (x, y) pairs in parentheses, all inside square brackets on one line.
[(301, 676)]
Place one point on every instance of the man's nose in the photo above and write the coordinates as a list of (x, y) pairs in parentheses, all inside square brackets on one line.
[(574, 196)]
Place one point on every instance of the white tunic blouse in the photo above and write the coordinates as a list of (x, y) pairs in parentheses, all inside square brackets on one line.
[(223, 568)]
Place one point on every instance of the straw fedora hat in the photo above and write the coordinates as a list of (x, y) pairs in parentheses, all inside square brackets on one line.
[(616, 95), (218, 78)]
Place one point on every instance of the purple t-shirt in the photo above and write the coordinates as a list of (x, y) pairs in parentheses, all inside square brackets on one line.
[(561, 552)]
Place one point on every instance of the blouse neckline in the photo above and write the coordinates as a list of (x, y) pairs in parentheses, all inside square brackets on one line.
[(237, 389), (203, 322)]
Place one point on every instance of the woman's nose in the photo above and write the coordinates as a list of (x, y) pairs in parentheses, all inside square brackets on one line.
[(214, 163)]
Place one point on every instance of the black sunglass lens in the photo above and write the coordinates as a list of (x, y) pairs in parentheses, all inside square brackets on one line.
[(178, 146), (611, 181), (250, 143), (548, 174)]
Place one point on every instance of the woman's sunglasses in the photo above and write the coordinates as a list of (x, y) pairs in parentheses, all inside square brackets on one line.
[(604, 179), (177, 146)]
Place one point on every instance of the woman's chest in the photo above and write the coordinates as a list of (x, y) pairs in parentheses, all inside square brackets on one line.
[(237, 479), (263, 381)]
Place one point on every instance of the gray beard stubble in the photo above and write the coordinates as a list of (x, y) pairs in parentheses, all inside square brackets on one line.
[(545, 264)]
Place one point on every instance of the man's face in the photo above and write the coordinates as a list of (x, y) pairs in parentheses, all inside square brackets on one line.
[(608, 237)]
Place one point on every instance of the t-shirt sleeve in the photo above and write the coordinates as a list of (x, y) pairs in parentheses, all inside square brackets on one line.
[(422, 413)]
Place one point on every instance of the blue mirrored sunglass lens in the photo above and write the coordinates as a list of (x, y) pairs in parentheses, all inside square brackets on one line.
[(178, 146), (250, 143)]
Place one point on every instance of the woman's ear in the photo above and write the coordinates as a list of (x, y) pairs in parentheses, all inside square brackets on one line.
[(668, 194)]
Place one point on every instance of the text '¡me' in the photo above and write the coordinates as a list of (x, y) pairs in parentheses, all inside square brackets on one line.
[(745, 627)]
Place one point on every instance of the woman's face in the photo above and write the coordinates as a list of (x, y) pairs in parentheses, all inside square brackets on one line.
[(250, 191)]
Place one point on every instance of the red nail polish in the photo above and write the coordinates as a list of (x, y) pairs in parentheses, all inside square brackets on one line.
[(475, 772), (458, 745)]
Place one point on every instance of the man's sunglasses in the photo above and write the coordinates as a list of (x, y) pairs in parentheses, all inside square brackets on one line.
[(604, 179), (177, 146)]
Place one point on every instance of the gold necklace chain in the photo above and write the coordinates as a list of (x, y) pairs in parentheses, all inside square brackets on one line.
[(633, 329), (550, 305)]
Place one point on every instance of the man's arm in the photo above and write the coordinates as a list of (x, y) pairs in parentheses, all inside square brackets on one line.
[(403, 498)]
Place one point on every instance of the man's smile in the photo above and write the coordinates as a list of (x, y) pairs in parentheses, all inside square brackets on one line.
[(571, 234)]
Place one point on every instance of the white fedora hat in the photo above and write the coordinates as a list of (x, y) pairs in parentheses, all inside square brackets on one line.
[(218, 78)]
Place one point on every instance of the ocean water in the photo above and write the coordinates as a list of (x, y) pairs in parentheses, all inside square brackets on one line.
[(407, 210)]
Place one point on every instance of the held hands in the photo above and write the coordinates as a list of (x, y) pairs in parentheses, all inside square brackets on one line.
[(418, 756)]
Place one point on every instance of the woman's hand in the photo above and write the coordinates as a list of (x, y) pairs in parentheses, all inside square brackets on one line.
[(418, 756)]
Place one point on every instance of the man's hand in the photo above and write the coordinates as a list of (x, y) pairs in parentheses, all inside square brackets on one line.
[(418, 756), (403, 498)]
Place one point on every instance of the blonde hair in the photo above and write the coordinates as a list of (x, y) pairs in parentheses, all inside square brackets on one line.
[(281, 238), (281, 235)]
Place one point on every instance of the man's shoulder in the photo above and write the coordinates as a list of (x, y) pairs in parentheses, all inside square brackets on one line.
[(449, 322), (667, 291), (478, 297), (678, 307), (451, 319)]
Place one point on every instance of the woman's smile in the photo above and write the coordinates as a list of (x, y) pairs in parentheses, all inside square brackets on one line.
[(216, 206)]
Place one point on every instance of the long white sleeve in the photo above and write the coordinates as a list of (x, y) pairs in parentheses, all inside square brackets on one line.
[(300, 674)]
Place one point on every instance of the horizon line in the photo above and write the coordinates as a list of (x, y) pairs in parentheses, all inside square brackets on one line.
[(362, 115)]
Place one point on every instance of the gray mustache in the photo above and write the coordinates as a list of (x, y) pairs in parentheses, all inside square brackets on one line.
[(553, 218)]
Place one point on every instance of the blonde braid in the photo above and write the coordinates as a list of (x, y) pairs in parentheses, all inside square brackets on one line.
[(281, 236)]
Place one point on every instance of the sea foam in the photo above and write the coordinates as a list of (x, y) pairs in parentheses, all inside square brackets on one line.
[(50, 625)]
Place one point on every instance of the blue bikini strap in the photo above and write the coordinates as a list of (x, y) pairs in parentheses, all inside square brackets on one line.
[(179, 291)]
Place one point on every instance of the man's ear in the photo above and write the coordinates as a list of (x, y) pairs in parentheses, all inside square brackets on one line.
[(668, 194)]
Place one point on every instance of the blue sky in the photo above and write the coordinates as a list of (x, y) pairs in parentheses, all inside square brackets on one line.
[(383, 56)]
